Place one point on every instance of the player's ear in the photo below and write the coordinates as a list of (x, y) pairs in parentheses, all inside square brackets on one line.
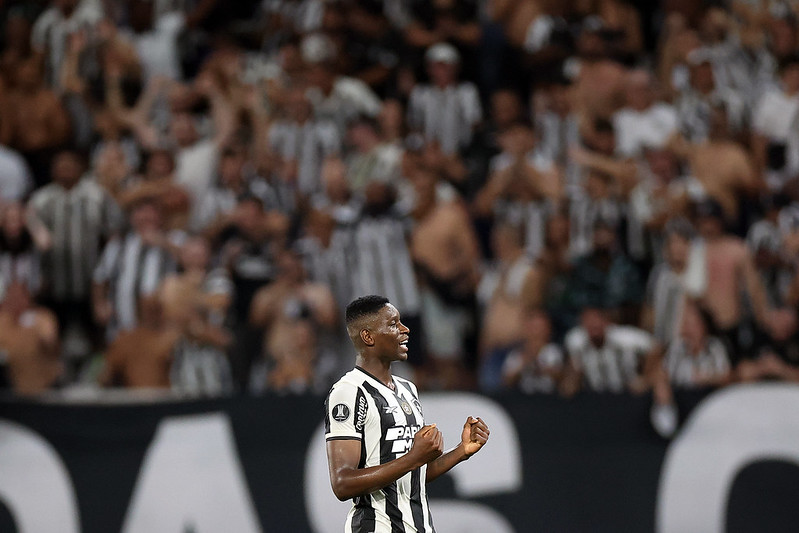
[(366, 337)]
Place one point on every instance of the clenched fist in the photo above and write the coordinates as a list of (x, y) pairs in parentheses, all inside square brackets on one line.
[(474, 436), (428, 444)]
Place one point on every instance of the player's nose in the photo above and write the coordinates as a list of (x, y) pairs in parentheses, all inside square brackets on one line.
[(404, 328)]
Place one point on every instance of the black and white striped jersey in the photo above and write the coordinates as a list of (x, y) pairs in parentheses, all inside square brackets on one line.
[(612, 366), (360, 407)]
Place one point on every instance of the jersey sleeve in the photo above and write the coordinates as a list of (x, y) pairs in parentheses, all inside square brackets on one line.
[(345, 412)]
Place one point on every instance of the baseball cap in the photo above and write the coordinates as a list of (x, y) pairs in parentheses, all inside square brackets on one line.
[(442, 53), (317, 48)]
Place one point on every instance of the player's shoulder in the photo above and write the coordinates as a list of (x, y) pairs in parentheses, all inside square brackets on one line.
[(348, 382), (407, 384)]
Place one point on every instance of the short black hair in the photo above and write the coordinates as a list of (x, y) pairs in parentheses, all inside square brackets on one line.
[(363, 306)]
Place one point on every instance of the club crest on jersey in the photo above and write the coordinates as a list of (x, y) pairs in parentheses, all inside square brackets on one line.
[(341, 412), (406, 407)]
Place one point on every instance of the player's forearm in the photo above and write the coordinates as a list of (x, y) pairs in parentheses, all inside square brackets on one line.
[(351, 482), (445, 462)]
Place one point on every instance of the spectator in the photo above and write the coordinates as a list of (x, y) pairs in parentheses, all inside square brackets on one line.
[(597, 153), (775, 143), (54, 27), (141, 357), (680, 277), (643, 121), (500, 292), (721, 168), (537, 365), (15, 177), (301, 143), (597, 201), (71, 219), (548, 283), (157, 184), (247, 245), (500, 295), (774, 264), (196, 301), (133, 266), (296, 316), (695, 105), (505, 111), (659, 196), (336, 98), (236, 179), (38, 122), (326, 248), (606, 276), (370, 158), (696, 358), (559, 126), (29, 343), (604, 357), (444, 110), (19, 256), (522, 188), (446, 256), (155, 39), (729, 266)]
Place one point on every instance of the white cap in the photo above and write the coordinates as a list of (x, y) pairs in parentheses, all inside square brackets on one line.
[(442, 53), (317, 48)]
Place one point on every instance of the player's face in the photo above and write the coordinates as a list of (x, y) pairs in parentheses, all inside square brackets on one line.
[(390, 335)]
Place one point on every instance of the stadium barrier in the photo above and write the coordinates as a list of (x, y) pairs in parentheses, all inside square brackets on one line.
[(590, 464)]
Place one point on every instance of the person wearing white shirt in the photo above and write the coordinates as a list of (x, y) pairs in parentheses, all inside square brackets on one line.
[(15, 177), (775, 123), (644, 121), (155, 39), (336, 98)]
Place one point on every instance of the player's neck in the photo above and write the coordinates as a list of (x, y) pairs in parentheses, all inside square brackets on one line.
[(377, 369)]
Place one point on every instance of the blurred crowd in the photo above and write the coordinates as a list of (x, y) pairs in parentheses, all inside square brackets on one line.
[(557, 196)]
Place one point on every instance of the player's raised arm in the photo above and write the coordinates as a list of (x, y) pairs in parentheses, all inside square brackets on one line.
[(349, 481), (474, 435)]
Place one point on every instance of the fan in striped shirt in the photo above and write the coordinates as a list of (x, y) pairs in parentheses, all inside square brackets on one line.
[(381, 454)]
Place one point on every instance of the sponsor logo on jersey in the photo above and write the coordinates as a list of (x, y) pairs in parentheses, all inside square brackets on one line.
[(341, 412), (402, 437), (360, 414)]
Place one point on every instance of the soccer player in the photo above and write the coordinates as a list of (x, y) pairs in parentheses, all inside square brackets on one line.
[(379, 451)]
